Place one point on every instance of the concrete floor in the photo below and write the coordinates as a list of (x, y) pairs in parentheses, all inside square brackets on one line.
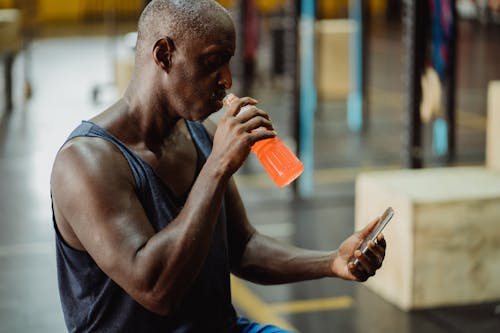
[(64, 72)]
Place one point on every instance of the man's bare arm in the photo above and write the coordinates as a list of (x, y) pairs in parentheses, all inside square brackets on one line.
[(265, 260)]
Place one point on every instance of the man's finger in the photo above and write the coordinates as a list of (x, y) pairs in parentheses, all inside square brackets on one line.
[(374, 257), (381, 241), (369, 227), (257, 122), (376, 251), (252, 112), (359, 272), (235, 107), (363, 262)]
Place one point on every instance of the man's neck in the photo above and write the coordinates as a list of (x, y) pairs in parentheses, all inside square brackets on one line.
[(152, 123), (153, 131)]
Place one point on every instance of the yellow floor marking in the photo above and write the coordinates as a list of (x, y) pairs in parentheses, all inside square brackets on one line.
[(261, 312), (321, 304), (254, 307)]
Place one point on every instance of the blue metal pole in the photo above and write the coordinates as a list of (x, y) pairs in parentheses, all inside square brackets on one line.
[(307, 97), (355, 98)]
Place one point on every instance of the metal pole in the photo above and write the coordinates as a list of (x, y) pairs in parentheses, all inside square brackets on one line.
[(365, 56), (291, 70), (414, 41), (356, 94), (9, 64), (451, 84), (307, 97), (237, 64)]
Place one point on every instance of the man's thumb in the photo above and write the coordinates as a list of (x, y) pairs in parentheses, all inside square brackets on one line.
[(369, 227)]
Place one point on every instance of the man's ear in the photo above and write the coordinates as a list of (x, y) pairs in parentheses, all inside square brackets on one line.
[(162, 53)]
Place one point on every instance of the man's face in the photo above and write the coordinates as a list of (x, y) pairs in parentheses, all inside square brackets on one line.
[(200, 74)]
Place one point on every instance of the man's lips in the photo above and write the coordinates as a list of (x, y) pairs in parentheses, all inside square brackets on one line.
[(218, 98)]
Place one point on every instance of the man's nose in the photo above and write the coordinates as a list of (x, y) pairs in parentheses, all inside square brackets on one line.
[(225, 78)]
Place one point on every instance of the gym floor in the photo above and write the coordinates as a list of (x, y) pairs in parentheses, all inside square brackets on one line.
[(66, 69)]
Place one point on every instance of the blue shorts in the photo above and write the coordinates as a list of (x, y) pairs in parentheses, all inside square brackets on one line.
[(252, 327)]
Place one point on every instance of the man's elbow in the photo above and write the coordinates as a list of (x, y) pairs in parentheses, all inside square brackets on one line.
[(160, 305), (153, 295)]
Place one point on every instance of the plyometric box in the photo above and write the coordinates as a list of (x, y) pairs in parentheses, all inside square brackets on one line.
[(332, 57), (444, 239)]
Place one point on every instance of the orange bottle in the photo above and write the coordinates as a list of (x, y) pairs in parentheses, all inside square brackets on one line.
[(277, 159)]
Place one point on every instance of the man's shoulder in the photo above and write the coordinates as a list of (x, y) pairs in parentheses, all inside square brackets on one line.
[(95, 157), (87, 148)]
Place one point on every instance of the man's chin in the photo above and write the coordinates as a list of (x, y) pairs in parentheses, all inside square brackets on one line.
[(213, 106), (199, 120)]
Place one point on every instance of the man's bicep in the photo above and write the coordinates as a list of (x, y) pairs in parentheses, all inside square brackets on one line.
[(94, 193)]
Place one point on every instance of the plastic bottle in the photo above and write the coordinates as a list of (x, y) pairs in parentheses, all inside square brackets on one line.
[(277, 159)]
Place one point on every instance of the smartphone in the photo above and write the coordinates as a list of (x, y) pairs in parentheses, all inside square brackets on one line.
[(384, 219)]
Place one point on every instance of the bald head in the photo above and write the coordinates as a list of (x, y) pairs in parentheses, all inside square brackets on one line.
[(180, 20)]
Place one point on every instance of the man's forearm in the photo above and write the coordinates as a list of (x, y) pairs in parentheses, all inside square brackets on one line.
[(176, 254), (268, 261)]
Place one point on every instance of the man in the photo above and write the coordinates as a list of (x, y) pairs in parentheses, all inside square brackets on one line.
[(149, 222)]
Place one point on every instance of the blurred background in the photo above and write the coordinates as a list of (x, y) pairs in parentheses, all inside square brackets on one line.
[(386, 102)]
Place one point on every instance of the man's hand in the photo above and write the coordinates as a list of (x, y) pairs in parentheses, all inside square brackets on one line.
[(235, 133), (343, 263)]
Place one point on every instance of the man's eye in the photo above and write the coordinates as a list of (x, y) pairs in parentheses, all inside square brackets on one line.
[(213, 62)]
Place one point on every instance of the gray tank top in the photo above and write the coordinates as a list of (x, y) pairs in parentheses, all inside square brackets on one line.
[(92, 302)]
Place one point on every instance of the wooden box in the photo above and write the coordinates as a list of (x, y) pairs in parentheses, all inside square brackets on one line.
[(444, 239)]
